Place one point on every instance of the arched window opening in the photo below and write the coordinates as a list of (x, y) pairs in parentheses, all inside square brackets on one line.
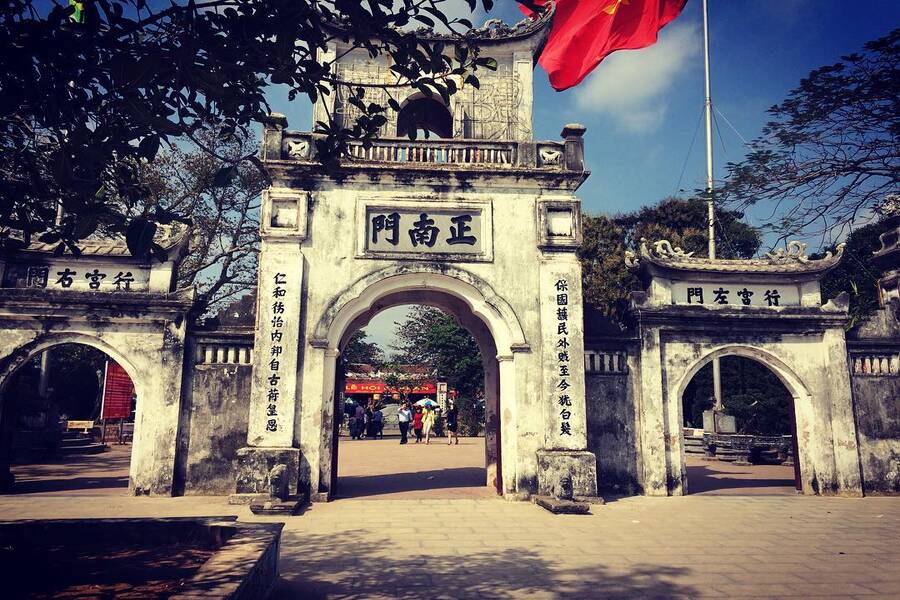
[(425, 117)]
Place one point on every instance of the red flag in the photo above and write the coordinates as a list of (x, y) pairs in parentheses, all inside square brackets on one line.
[(584, 32)]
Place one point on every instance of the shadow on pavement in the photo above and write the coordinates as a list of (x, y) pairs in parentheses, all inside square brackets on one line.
[(703, 479), (357, 565), (373, 485), (106, 473)]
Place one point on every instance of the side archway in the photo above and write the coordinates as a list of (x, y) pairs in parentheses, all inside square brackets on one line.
[(802, 405), (787, 376), (12, 365)]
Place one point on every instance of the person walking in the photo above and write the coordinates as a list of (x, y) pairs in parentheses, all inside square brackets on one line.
[(452, 423), (428, 422), (417, 423), (360, 415), (378, 423), (404, 416)]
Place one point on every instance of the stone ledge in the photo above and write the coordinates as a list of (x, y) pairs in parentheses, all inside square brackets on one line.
[(562, 507)]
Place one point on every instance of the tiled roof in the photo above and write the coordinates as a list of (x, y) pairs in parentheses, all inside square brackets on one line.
[(167, 236), (789, 260)]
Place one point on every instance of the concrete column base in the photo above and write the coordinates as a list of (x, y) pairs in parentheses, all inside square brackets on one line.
[(254, 466), (580, 464)]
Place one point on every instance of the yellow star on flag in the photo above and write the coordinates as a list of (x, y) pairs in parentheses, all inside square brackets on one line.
[(612, 8)]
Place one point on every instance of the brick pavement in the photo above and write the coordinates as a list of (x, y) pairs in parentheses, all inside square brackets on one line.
[(381, 545), (691, 547)]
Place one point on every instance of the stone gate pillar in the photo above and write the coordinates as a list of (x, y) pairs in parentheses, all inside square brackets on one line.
[(562, 339), (277, 349)]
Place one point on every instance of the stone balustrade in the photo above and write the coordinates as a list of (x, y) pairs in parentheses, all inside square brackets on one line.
[(567, 155), (875, 364), (605, 362), (451, 152), (223, 347), (455, 153)]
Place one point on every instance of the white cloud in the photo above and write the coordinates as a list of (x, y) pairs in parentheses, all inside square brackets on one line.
[(630, 86)]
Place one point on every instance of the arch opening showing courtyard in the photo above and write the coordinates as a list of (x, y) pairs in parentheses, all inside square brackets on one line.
[(140, 322)]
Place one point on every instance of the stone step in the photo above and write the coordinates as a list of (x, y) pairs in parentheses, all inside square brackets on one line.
[(67, 442)]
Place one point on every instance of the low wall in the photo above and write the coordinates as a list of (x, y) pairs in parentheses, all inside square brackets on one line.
[(215, 410), (611, 418), (875, 380), (243, 565)]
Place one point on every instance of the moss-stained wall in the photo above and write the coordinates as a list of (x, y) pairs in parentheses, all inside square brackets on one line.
[(877, 406), (611, 433), (874, 349), (214, 414)]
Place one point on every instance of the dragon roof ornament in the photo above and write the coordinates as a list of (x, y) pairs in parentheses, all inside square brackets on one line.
[(790, 259)]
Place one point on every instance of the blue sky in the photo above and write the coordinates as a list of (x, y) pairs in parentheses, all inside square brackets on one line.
[(642, 107)]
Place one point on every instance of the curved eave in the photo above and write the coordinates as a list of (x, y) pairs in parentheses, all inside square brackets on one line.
[(175, 245), (686, 268)]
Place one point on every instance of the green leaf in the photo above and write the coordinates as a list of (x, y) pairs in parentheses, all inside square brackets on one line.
[(149, 146), (139, 236), (224, 176)]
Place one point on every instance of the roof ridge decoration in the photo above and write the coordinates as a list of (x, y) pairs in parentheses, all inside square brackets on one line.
[(790, 259)]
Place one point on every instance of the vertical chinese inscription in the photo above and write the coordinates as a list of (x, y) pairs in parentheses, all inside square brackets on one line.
[(563, 357), (276, 349)]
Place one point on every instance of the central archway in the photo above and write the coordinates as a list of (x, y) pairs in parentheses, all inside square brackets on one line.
[(476, 307)]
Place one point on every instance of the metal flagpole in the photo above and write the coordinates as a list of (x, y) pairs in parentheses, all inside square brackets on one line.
[(710, 198)]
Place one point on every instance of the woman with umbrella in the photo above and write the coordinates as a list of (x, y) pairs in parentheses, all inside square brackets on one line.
[(428, 405)]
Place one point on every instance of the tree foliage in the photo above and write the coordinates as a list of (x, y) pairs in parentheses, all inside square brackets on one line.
[(361, 351), (222, 257), (75, 373), (750, 391), (607, 283), (831, 152), (85, 101), (856, 274), (433, 338)]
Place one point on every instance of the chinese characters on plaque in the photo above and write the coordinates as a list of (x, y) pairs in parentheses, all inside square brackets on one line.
[(734, 294), (276, 350), (80, 278), (563, 359), (424, 231)]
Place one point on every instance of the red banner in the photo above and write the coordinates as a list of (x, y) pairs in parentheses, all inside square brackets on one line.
[(118, 390), (375, 386)]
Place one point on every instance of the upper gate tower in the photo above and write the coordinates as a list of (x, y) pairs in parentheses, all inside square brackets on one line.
[(477, 218)]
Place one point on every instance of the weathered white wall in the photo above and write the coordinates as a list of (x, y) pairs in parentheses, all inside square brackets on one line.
[(497, 294), (150, 351), (812, 365)]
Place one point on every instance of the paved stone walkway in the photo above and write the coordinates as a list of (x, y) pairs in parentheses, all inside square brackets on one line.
[(383, 469), (77, 474), (690, 547)]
